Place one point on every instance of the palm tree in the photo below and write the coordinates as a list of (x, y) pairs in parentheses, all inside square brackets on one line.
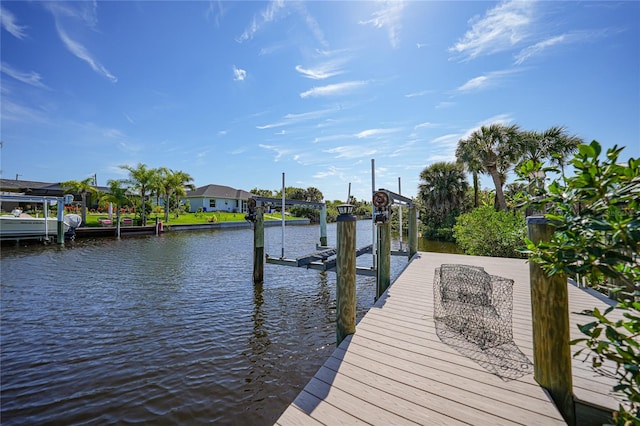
[(82, 187), (469, 160), (553, 145), (173, 183), (496, 148), (141, 179), (314, 194), (443, 188), (118, 195)]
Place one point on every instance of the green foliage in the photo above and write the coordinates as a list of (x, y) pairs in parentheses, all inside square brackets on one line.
[(597, 235), (486, 232)]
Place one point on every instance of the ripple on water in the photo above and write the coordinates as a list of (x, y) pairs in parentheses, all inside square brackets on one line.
[(170, 329)]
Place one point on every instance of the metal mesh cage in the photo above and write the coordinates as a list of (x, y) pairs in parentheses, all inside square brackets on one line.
[(474, 304)]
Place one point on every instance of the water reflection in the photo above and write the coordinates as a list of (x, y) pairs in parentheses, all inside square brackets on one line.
[(164, 329)]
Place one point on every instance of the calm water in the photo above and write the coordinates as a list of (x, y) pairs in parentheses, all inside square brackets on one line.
[(165, 329)]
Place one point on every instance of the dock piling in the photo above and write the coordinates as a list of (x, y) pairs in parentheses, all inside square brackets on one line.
[(550, 322), (258, 246), (384, 257), (345, 273)]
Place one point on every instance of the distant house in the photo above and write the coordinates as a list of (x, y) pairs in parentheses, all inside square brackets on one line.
[(212, 198)]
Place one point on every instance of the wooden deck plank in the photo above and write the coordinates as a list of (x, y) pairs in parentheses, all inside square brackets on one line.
[(396, 370)]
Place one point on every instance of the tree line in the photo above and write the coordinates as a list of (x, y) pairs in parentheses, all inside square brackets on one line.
[(162, 182), (495, 150)]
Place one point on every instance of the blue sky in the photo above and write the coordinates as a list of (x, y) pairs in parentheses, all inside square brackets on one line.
[(236, 93)]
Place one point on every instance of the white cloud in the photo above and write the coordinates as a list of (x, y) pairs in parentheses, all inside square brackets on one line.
[(331, 172), (86, 12), (426, 124), (535, 49), (274, 11), (279, 151), (416, 94), (322, 71), (32, 78), (297, 118), (375, 132), (82, 53), (239, 74), (352, 151), (8, 22), (388, 16), (484, 81), (502, 28), (333, 89)]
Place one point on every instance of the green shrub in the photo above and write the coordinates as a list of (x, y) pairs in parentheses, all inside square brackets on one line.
[(596, 217), (486, 232)]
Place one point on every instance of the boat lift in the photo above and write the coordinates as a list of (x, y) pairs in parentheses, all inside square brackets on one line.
[(324, 259), (46, 202)]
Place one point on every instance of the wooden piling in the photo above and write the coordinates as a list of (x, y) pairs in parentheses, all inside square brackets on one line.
[(258, 246), (413, 231), (384, 257), (550, 319), (345, 277), (323, 225)]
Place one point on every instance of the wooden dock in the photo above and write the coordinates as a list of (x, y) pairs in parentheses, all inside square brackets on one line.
[(396, 370)]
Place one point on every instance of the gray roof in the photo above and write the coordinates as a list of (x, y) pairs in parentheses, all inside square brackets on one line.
[(219, 191)]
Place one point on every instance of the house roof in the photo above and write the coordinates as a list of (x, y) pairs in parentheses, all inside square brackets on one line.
[(28, 186), (219, 191)]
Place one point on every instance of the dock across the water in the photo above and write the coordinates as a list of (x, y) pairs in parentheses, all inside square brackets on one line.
[(396, 369)]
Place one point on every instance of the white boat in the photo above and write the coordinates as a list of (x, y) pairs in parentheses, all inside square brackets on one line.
[(26, 226)]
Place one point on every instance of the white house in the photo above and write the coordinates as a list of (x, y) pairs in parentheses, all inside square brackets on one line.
[(216, 198)]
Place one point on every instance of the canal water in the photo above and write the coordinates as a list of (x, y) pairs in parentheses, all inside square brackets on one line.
[(167, 330)]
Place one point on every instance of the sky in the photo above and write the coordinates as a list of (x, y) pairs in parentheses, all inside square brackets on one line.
[(238, 93)]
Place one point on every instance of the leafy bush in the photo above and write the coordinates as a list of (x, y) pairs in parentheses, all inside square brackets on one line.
[(597, 235), (486, 232)]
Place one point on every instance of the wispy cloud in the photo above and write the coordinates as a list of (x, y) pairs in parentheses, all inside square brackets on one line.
[(32, 78), (352, 151), (279, 151), (9, 23), (535, 49), (82, 53), (239, 74), (369, 133), (562, 39), (12, 111), (425, 125), (322, 71), (333, 89), (416, 94), (216, 11), (502, 28), (488, 80), (297, 118), (86, 13), (268, 15), (332, 171), (389, 17), (276, 9)]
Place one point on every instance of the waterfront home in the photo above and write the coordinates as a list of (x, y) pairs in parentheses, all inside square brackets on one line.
[(212, 198)]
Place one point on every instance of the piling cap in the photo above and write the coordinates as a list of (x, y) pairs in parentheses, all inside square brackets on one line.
[(537, 220)]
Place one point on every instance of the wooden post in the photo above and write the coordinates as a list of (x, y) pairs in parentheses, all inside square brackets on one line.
[(413, 231), (550, 315), (258, 246), (323, 225), (384, 257), (345, 276)]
